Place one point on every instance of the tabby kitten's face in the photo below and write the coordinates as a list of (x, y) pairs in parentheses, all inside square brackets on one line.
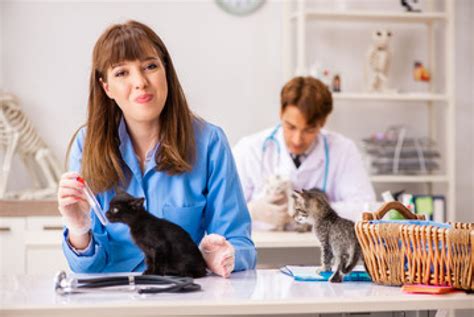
[(299, 210), (308, 205)]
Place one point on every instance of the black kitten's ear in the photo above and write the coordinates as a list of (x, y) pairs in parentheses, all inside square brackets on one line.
[(138, 202)]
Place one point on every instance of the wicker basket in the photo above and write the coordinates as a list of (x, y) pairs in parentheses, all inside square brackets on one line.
[(397, 254)]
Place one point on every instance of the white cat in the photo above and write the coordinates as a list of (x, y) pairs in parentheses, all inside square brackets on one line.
[(276, 185), (282, 185)]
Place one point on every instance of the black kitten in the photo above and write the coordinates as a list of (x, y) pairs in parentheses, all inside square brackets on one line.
[(168, 248)]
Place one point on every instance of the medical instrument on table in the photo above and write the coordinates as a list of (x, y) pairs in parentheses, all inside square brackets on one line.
[(128, 282), (271, 139), (311, 274), (93, 202)]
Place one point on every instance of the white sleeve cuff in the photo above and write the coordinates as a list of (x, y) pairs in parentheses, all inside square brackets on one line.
[(88, 251)]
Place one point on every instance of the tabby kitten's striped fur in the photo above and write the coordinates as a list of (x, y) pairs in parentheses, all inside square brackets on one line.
[(337, 236)]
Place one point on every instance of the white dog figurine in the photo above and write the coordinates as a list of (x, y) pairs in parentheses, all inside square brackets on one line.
[(378, 61)]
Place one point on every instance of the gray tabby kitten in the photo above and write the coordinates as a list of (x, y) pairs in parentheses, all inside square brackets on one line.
[(337, 235)]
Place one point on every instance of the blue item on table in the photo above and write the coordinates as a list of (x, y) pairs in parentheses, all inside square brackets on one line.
[(308, 274)]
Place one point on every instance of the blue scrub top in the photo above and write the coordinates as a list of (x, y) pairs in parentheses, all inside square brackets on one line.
[(208, 199)]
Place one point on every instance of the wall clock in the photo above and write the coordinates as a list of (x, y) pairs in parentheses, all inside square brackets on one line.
[(240, 7)]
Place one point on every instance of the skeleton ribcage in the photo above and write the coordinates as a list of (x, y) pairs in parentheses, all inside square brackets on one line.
[(17, 122)]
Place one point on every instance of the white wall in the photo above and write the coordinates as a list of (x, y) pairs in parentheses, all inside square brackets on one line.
[(230, 67), (465, 110), (1, 46)]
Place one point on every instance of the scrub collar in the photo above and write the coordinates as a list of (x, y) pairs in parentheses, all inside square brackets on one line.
[(128, 152)]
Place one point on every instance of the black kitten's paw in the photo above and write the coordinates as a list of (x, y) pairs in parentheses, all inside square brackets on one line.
[(336, 278), (199, 273), (148, 272)]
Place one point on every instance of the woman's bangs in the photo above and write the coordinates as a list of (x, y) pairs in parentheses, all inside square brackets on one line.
[(130, 46)]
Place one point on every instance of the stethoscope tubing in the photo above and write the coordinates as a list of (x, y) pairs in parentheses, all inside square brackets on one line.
[(272, 139), (65, 285)]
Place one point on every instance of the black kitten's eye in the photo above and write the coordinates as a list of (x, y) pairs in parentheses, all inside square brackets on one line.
[(114, 210)]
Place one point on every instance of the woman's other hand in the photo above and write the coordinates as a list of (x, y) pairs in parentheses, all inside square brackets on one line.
[(219, 254)]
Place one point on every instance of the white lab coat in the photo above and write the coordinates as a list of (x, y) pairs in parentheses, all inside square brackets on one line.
[(348, 185)]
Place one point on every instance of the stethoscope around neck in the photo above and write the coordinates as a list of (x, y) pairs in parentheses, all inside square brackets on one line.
[(271, 139)]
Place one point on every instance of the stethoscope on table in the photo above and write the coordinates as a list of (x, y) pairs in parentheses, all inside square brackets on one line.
[(271, 139), (142, 284)]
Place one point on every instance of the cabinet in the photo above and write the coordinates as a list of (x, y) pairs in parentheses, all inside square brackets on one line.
[(308, 25), (31, 245), (12, 232), (43, 251)]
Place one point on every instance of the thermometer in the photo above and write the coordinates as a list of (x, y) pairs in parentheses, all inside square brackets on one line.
[(93, 201)]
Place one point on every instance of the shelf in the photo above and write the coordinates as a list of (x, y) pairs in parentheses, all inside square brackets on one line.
[(370, 16), (408, 178), (300, 22), (390, 97), (23, 208)]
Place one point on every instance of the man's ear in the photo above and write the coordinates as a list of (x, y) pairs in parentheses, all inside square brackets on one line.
[(106, 88), (322, 122), (282, 110)]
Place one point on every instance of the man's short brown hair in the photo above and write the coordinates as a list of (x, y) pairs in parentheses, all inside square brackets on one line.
[(310, 96)]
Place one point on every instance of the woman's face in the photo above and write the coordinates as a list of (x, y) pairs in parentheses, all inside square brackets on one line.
[(139, 88)]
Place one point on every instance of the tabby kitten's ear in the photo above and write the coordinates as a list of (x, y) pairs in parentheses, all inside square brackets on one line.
[(138, 202), (296, 195)]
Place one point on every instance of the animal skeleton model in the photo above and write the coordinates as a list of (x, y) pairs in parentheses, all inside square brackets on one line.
[(17, 135), (378, 61)]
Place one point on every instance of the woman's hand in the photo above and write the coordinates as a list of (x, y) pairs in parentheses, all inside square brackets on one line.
[(73, 205), (219, 254)]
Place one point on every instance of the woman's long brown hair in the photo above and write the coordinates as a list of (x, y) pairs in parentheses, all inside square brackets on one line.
[(102, 165)]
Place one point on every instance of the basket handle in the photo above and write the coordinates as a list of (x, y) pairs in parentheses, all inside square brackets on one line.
[(398, 206)]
